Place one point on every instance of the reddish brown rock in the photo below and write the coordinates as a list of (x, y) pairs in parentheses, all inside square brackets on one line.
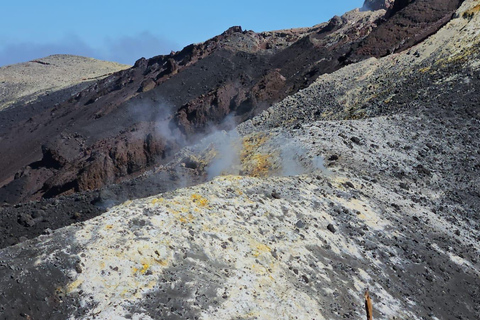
[(407, 23)]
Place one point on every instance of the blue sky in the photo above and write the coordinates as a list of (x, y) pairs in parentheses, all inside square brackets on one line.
[(124, 31)]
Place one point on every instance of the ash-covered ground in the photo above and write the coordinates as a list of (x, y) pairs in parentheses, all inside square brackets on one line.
[(367, 179)]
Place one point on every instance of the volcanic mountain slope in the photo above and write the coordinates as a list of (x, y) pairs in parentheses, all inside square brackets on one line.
[(93, 131), (25, 82), (88, 144), (392, 208), (137, 118)]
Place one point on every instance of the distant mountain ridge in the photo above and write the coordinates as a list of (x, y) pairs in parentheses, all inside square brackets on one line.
[(23, 83)]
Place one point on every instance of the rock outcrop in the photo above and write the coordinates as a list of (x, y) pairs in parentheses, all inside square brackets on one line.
[(377, 4), (408, 23)]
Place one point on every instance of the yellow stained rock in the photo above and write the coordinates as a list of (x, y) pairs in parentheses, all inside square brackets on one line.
[(74, 285), (199, 200)]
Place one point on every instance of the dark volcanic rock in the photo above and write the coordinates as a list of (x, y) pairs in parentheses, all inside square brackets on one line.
[(378, 4), (407, 23), (331, 228)]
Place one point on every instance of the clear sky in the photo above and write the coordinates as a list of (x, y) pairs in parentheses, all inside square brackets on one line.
[(124, 31)]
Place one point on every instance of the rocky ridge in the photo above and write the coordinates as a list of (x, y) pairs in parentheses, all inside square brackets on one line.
[(377, 5)]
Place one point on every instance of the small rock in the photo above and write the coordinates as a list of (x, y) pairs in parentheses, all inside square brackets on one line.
[(356, 140), (331, 228), (348, 184), (305, 278), (274, 253), (38, 214), (275, 195), (26, 220), (300, 224), (333, 157), (404, 186), (422, 170)]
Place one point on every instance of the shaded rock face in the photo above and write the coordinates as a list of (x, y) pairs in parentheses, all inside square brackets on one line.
[(137, 118), (398, 5), (378, 4)]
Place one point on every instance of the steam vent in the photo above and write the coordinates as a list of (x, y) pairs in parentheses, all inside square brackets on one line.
[(329, 172)]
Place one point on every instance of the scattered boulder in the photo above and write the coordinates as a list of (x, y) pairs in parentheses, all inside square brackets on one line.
[(275, 195), (331, 228), (300, 224), (356, 140), (333, 157), (348, 184)]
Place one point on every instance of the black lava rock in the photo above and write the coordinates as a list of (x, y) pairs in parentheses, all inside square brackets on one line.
[(331, 228)]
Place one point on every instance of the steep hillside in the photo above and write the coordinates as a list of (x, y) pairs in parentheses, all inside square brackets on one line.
[(367, 179)]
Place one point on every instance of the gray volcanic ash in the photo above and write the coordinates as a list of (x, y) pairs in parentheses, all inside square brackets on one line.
[(364, 178)]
